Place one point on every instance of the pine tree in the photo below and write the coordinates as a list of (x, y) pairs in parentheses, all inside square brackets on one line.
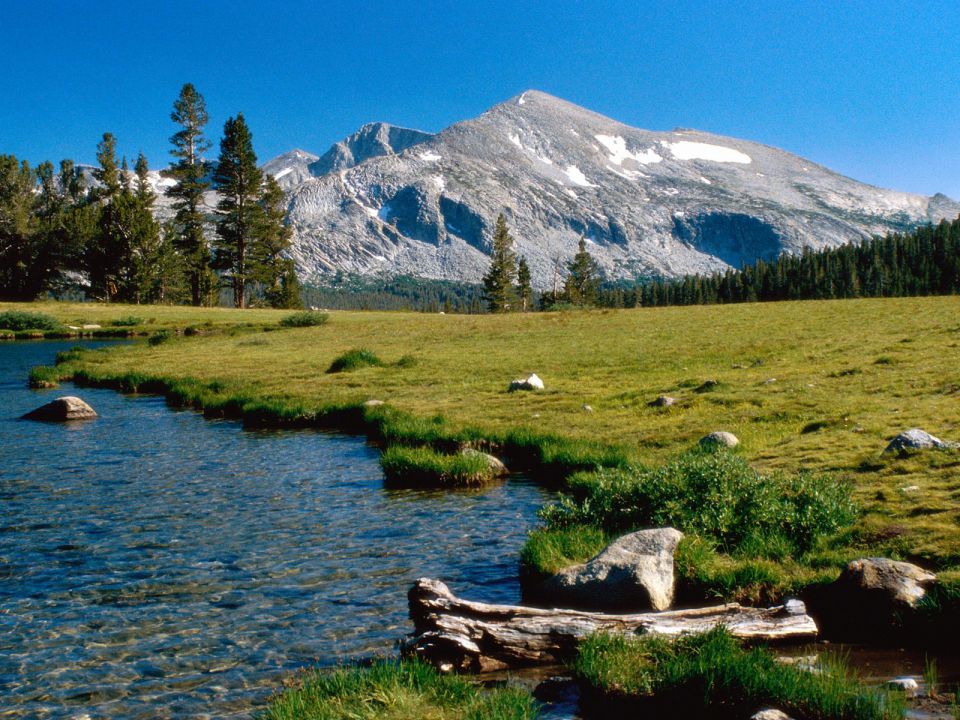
[(498, 290), (17, 227), (274, 272), (107, 255), (583, 281), (145, 238), (240, 216), (524, 289), (189, 144)]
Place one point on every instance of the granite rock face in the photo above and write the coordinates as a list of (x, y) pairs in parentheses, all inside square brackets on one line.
[(395, 201)]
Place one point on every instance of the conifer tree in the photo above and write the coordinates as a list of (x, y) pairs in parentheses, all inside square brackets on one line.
[(17, 226), (108, 252), (240, 216), (583, 281), (189, 144), (524, 289), (498, 289), (274, 272), (145, 238)]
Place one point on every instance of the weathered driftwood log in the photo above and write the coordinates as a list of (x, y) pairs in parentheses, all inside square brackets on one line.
[(455, 634)]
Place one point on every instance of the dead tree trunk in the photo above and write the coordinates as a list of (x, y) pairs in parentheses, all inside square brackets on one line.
[(455, 634)]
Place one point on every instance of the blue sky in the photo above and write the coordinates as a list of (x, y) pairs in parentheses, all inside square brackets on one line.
[(870, 89)]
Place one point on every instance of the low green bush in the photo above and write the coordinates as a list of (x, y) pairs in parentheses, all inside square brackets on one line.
[(396, 690), (353, 360), (425, 467), (128, 321), (159, 337), (715, 495), (711, 675), (18, 320), (307, 318)]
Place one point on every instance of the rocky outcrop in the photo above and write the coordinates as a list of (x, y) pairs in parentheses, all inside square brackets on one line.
[(62, 409), (719, 439), (494, 464), (531, 382), (871, 598), (916, 439), (635, 572)]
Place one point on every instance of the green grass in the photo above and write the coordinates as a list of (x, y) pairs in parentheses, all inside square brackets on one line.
[(354, 360), (387, 690), (425, 467), (711, 675), (617, 362), (44, 376), (307, 318)]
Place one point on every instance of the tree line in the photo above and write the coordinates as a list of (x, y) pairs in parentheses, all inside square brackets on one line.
[(57, 231), (925, 261)]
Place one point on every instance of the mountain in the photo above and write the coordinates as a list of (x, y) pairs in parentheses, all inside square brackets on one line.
[(397, 201), (291, 168)]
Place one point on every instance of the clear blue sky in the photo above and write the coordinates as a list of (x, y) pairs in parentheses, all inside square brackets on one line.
[(869, 88)]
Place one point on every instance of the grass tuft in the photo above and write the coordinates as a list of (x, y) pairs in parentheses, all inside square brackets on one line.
[(307, 318), (425, 467), (354, 360), (19, 320), (396, 690), (44, 376)]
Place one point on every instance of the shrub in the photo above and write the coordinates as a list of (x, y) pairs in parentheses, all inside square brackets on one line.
[(710, 671), (425, 467), (17, 320), (388, 690), (159, 337), (353, 360), (307, 318), (715, 495), (128, 321)]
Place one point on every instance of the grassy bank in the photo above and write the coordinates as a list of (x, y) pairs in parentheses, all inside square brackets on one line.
[(710, 675), (806, 386), (387, 690)]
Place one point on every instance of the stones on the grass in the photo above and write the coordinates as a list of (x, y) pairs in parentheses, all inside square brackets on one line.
[(872, 597), (62, 409), (531, 382), (707, 386), (770, 714), (373, 403), (587, 408), (719, 439), (663, 401), (496, 467), (916, 439), (635, 572)]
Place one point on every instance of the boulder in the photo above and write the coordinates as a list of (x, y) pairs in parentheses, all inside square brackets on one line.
[(635, 572), (663, 401), (373, 403), (770, 714), (916, 439), (871, 598), (531, 382), (904, 684), (61, 410), (496, 466), (719, 438), (707, 386)]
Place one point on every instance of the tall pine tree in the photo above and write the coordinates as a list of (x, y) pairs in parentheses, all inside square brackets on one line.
[(189, 144), (498, 289), (524, 289), (240, 216), (583, 281), (273, 272)]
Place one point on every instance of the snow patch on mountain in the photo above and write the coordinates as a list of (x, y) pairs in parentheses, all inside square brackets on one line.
[(688, 150)]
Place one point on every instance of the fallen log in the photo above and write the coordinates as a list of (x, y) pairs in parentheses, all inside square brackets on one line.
[(459, 635)]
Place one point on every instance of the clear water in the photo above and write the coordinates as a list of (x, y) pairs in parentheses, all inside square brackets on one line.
[(154, 564)]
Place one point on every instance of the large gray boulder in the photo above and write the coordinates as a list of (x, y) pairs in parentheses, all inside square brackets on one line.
[(635, 572), (720, 438), (872, 596), (62, 409), (496, 466), (916, 439)]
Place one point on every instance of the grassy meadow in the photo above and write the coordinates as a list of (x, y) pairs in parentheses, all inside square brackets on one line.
[(817, 386)]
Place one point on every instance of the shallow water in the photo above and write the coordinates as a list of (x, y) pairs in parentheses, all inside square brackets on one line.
[(154, 564)]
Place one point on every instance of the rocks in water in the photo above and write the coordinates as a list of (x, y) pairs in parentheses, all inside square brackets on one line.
[(497, 468), (905, 684), (871, 597), (635, 572), (770, 714), (61, 410), (531, 382), (720, 438), (663, 401), (916, 439)]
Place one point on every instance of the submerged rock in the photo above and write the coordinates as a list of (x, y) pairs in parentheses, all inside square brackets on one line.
[(635, 572), (61, 410), (531, 382), (720, 438), (916, 439)]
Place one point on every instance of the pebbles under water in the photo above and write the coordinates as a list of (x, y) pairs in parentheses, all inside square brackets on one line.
[(154, 564)]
